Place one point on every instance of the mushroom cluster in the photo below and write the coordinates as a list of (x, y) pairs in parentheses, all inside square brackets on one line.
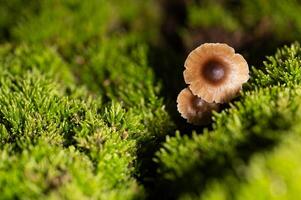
[(214, 74)]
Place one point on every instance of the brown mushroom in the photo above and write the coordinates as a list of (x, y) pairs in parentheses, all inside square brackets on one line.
[(215, 72), (194, 109)]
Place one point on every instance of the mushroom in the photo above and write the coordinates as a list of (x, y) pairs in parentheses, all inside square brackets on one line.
[(194, 109), (215, 73)]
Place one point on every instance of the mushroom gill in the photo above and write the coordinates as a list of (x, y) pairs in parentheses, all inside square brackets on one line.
[(194, 109)]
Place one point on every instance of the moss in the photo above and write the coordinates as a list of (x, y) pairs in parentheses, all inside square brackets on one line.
[(29, 57), (281, 69), (210, 14), (12, 13), (70, 26), (275, 173), (37, 114), (282, 19), (50, 172), (33, 111), (252, 126), (258, 16), (82, 114)]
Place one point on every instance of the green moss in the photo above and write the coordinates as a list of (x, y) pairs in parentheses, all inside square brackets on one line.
[(35, 110), (254, 125), (52, 172), (38, 121), (270, 175), (36, 113), (12, 12), (281, 69), (29, 57), (81, 112), (210, 14), (280, 20), (71, 26), (122, 74)]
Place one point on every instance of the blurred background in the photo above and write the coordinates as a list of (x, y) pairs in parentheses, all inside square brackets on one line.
[(170, 29)]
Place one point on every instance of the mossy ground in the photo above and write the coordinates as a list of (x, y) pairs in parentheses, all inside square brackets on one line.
[(87, 101)]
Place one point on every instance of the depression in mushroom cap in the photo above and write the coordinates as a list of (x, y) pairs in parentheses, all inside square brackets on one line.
[(215, 72), (194, 109)]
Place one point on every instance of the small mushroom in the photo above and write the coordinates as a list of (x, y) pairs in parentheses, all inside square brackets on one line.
[(215, 72), (194, 109)]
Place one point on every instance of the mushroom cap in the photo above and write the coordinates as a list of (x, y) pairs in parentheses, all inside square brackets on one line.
[(194, 109), (215, 72)]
